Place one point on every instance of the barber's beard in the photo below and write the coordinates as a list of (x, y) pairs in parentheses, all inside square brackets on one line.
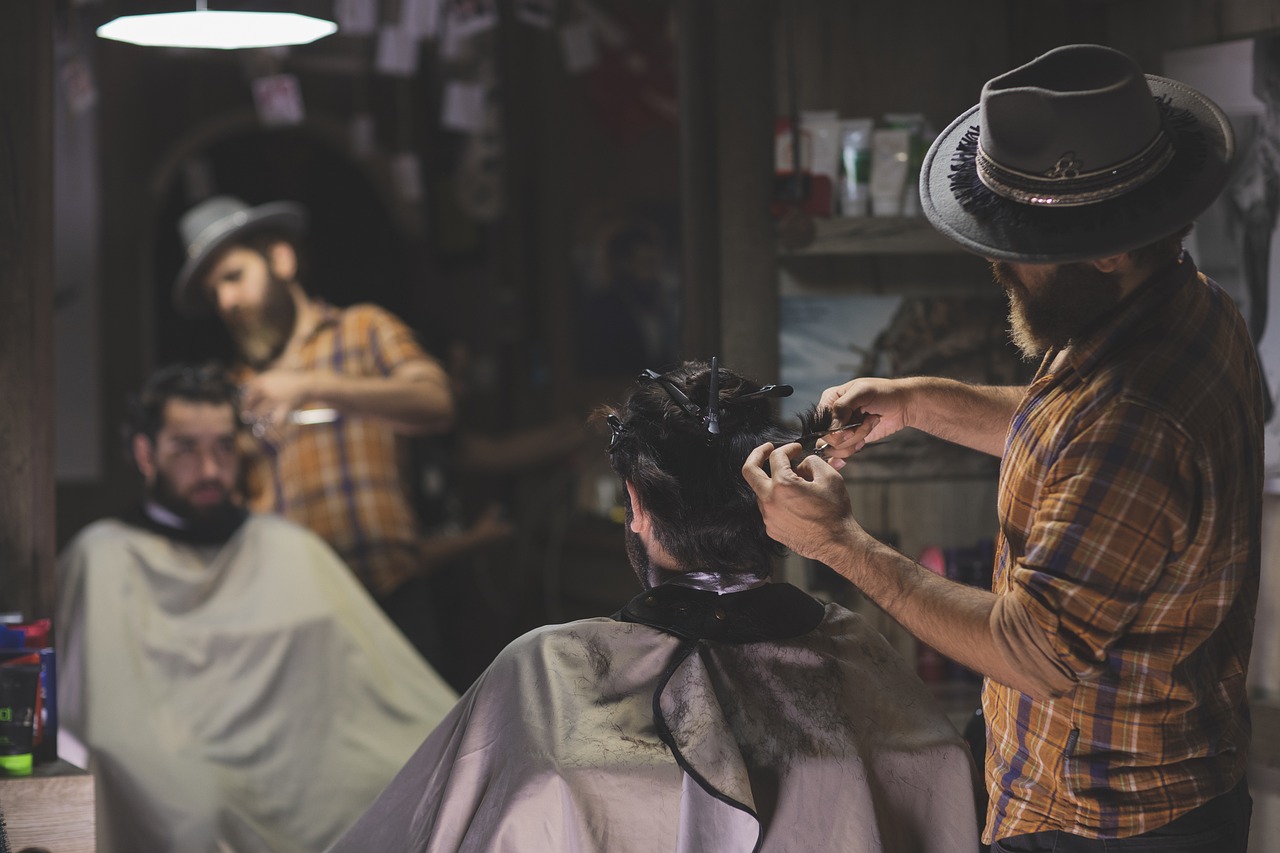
[(1066, 304), (209, 521), (263, 335)]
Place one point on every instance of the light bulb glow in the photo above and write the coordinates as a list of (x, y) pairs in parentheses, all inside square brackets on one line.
[(217, 30)]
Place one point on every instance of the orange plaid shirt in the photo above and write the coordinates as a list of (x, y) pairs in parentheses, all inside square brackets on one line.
[(343, 479), (1130, 511)]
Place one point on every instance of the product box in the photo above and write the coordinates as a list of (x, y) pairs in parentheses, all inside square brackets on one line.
[(819, 160), (30, 644)]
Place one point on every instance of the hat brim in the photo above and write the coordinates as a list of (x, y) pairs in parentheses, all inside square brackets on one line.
[(284, 216), (1065, 235)]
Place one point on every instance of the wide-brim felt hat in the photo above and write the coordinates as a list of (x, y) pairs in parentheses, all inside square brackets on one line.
[(217, 222), (1074, 156)]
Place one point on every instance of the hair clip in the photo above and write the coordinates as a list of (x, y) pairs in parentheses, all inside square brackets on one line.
[(712, 419), (677, 396), (766, 391)]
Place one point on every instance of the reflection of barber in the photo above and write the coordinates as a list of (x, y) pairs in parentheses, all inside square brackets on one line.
[(341, 478), (632, 321)]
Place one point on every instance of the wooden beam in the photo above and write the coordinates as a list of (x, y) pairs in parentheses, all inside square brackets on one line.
[(726, 116), (26, 309)]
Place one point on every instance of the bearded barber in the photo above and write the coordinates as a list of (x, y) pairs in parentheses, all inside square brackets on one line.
[(360, 366), (1115, 641)]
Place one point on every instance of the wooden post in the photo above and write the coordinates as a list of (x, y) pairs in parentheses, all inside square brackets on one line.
[(726, 116), (26, 309)]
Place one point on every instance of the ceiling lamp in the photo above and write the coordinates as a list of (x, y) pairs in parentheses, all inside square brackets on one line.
[(222, 30)]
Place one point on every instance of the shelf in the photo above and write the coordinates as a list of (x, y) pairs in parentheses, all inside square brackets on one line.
[(51, 809), (871, 235)]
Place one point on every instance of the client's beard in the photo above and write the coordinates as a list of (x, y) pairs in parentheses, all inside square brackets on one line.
[(261, 339), (1066, 304), (211, 523)]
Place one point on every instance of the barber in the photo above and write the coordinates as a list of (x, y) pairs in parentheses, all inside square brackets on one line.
[(1115, 640)]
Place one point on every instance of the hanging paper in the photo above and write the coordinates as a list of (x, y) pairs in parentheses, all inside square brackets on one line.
[(537, 13), (421, 17), (356, 17), (406, 173), (78, 86), (579, 47), (278, 99), (397, 52), (463, 108), (360, 135), (465, 18)]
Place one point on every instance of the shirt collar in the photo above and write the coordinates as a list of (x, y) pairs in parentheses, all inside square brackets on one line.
[(328, 316)]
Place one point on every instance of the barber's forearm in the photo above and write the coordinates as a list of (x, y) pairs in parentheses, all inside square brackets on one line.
[(975, 416), (413, 404), (955, 619)]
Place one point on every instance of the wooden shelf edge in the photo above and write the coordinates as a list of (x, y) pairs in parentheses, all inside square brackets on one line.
[(874, 235)]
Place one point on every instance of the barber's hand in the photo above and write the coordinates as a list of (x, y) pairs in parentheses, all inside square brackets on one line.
[(804, 501), (270, 397), (884, 405)]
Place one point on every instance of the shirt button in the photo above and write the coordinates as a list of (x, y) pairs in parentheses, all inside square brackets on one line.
[(719, 613)]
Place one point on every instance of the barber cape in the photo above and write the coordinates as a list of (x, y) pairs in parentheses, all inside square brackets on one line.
[(243, 697), (690, 721)]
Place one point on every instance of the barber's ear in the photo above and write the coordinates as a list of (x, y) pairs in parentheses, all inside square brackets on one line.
[(283, 261), (639, 518), (1109, 264), (144, 456)]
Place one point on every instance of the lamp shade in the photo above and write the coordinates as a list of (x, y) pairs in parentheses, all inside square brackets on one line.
[(219, 30)]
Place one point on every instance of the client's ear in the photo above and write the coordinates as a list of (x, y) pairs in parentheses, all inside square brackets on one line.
[(639, 518), (144, 457)]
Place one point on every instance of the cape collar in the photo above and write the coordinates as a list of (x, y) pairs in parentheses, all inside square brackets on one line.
[(773, 611), (156, 519)]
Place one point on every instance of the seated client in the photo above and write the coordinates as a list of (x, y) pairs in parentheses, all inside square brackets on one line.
[(716, 711)]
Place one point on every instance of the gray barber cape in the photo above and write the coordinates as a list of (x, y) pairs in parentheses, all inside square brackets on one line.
[(690, 721), (245, 697)]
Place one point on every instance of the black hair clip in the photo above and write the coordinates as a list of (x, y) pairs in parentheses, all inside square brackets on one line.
[(677, 396), (766, 391), (711, 419)]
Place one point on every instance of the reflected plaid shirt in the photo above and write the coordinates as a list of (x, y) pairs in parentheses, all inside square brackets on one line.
[(342, 479), (1130, 511)]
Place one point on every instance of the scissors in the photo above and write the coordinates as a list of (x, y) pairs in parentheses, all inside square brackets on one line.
[(260, 426), (809, 439)]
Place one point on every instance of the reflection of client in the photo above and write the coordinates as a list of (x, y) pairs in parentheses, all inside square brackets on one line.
[(632, 321), (236, 687), (1255, 196)]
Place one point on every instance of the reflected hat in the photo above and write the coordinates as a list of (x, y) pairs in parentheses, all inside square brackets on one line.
[(1074, 156), (215, 223)]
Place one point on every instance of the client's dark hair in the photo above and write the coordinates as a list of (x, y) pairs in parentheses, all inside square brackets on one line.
[(196, 383), (690, 480)]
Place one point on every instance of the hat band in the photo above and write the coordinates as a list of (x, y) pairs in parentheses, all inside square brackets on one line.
[(1065, 185), (214, 230)]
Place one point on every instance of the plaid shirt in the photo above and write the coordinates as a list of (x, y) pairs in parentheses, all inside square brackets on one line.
[(1130, 512), (342, 479)]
